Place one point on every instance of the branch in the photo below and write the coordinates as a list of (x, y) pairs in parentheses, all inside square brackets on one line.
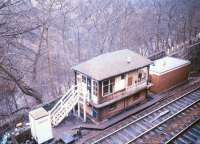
[(22, 32), (22, 86)]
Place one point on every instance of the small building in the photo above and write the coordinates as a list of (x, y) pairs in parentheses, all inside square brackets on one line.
[(113, 82), (40, 124), (167, 72)]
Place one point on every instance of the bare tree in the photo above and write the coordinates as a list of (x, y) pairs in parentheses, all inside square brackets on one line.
[(12, 18)]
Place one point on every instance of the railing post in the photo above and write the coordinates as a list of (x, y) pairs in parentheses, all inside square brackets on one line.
[(72, 98), (84, 106), (74, 112), (79, 109), (78, 94), (75, 94)]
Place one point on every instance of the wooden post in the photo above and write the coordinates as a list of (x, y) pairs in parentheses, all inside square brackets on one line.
[(74, 112), (79, 109), (84, 108), (92, 89), (102, 88), (148, 78)]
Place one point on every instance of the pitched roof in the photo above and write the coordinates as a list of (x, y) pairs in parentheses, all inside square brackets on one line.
[(112, 64)]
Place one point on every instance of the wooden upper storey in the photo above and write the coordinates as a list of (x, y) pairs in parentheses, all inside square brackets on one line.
[(122, 74), (114, 88)]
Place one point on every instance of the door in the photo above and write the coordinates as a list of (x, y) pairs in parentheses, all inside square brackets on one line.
[(94, 113)]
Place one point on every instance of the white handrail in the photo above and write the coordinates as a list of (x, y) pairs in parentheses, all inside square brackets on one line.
[(66, 103), (63, 97)]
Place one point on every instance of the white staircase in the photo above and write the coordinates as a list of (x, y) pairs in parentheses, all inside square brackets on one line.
[(64, 106)]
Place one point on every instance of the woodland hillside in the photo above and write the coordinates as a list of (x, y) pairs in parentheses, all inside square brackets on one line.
[(40, 40)]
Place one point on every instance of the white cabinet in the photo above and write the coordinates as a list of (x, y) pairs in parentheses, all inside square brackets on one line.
[(40, 123)]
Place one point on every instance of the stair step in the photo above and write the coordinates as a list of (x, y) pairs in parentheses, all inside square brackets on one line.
[(64, 106)]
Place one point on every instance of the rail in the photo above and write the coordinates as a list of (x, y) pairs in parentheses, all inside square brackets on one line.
[(64, 105), (149, 114), (182, 131), (163, 121)]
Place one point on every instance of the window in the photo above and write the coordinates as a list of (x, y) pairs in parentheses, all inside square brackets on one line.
[(79, 78), (141, 75), (113, 106), (123, 76), (83, 79), (95, 88), (89, 82), (144, 76), (111, 88), (107, 87)]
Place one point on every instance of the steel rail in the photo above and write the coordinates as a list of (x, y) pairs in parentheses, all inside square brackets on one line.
[(108, 135), (157, 125), (182, 131)]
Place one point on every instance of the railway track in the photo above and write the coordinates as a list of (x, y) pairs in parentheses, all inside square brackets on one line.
[(166, 130), (152, 121), (191, 134)]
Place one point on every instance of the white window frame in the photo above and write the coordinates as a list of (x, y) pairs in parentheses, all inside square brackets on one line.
[(109, 83), (95, 96), (95, 87)]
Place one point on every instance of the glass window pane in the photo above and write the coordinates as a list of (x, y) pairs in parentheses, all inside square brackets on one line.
[(84, 79), (105, 82), (123, 76), (105, 90), (111, 88)]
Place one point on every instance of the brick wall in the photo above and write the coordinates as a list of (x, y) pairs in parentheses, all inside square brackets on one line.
[(109, 111), (168, 80), (135, 99)]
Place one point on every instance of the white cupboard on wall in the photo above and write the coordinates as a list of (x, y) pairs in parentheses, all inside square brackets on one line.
[(119, 83)]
